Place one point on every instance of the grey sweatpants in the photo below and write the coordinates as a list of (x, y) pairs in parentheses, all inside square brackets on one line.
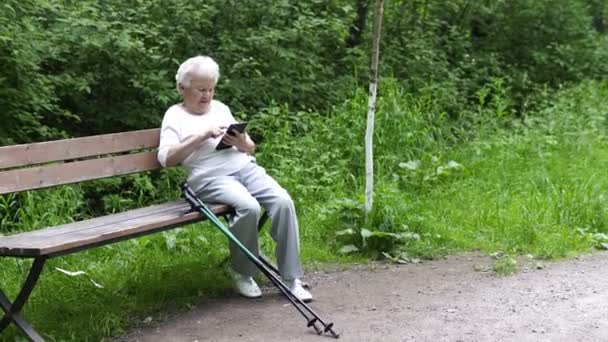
[(246, 191)]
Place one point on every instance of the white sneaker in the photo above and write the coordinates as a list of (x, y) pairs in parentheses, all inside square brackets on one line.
[(244, 285), (296, 288)]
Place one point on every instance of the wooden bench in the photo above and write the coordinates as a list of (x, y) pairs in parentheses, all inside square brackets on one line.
[(47, 164)]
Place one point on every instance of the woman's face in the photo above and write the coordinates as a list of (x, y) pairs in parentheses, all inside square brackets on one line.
[(197, 97)]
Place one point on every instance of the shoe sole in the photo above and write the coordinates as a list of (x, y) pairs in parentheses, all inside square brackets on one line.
[(249, 297), (246, 296)]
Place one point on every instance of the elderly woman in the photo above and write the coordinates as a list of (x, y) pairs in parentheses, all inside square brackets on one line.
[(189, 134)]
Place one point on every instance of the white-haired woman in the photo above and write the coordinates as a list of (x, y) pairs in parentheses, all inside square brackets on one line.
[(189, 134)]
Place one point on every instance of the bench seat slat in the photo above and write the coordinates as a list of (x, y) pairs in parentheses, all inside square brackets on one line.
[(116, 231), (127, 224), (81, 234), (70, 228)]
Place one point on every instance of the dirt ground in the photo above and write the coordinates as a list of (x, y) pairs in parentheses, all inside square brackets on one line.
[(453, 299)]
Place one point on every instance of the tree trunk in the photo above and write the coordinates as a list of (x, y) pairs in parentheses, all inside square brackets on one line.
[(371, 108), (357, 28)]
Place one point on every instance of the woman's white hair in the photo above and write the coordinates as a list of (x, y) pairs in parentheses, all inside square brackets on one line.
[(201, 66)]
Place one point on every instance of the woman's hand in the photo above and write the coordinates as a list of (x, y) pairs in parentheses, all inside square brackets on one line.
[(181, 151), (214, 132), (241, 141)]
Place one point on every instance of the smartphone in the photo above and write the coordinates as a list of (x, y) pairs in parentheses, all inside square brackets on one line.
[(240, 127)]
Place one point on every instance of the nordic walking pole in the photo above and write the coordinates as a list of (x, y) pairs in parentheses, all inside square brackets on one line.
[(197, 204)]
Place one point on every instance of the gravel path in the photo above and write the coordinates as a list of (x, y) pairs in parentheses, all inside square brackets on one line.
[(442, 300)]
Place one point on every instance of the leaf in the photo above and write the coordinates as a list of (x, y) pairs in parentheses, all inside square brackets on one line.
[(170, 241), (497, 255), (348, 231), (410, 165), (408, 236), (348, 249), (388, 256), (401, 258), (402, 261), (78, 273), (600, 237), (70, 273), (453, 165), (96, 284), (365, 233)]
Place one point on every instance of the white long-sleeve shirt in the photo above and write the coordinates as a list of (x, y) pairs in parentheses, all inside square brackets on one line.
[(205, 162)]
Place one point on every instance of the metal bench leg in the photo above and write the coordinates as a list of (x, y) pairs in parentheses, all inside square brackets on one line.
[(263, 220), (11, 310)]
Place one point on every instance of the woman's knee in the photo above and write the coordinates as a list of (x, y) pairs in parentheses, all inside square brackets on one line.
[(249, 207), (284, 202)]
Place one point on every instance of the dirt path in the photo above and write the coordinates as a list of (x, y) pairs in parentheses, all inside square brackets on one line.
[(444, 300)]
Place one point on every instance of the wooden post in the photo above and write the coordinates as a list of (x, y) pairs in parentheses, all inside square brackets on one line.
[(371, 108)]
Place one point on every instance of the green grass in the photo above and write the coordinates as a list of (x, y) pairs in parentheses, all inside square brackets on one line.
[(505, 265), (524, 197), (541, 191), (480, 183)]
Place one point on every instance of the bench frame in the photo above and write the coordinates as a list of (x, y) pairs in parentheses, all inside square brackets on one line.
[(48, 164)]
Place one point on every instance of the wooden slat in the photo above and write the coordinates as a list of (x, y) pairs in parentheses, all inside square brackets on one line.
[(89, 240), (99, 230), (105, 224), (66, 173), (67, 149), (127, 227), (74, 227)]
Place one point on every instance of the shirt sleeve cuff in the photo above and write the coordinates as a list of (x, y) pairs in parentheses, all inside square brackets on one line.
[(162, 155)]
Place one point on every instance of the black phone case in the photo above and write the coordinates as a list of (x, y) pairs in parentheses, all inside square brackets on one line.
[(240, 127)]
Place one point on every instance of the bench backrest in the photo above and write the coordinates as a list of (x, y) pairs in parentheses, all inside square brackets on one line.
[(46, 164)]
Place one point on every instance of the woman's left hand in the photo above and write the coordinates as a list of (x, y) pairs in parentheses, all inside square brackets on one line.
[(241, 141)]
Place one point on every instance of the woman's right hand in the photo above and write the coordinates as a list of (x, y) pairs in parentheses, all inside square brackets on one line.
[(214, 131)]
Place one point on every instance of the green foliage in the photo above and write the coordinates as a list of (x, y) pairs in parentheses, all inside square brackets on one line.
[(553, 38), (600, 240), (33, 210), (27, 96), (490, 184), (79, 68), (86, 67), (458, 46)]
